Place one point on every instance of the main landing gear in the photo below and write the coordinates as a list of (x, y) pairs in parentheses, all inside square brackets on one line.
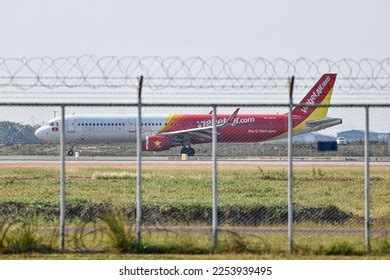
[(188, 151), (70, 152)]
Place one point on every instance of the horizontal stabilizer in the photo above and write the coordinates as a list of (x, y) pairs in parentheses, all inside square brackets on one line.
[(323, 123)]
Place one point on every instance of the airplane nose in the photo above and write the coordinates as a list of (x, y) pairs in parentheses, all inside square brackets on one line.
[(39, 133)]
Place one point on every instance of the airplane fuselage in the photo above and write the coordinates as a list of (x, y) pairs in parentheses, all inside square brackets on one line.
[(161, 132), (94, 129)]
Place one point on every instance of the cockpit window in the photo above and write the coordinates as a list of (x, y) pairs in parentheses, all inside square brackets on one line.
[(53, 124)]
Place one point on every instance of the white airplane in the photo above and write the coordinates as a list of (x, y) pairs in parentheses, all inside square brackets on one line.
[(162, 132)]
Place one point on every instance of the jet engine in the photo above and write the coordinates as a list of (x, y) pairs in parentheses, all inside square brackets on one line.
[(157, 143)]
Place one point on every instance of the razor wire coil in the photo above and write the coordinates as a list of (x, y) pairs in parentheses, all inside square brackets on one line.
[(191, 73)]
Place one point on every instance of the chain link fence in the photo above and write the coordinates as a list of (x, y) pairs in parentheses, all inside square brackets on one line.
[(177, 201)]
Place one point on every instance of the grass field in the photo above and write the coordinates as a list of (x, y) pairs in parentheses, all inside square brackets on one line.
[(171, 191), (231, 256), (109, 243), (241, 185)]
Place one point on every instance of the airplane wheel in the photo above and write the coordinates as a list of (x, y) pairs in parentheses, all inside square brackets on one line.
[(71, 153), (190, 152)]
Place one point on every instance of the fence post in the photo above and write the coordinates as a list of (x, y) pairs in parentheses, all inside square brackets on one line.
[(214, 179), (62, 179), (139, 162), (367, 222), (290, 167)]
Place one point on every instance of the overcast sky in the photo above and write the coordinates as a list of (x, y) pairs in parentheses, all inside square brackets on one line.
[(288, 29)]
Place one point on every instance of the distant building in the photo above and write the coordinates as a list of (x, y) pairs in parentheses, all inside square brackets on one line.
[(358, 135)]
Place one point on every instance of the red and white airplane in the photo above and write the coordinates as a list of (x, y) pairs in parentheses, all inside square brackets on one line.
[(162, 132)]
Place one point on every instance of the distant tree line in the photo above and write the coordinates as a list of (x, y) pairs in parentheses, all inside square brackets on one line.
[(17, 133)]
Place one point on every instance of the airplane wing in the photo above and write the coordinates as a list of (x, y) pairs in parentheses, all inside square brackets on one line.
[(199, 133)]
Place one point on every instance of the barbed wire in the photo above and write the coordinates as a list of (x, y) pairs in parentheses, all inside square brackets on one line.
[(194, 72)]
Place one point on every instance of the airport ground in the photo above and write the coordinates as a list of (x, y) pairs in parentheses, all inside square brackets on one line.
[(263, 150), (228, 256), (247, 184), (329, 197)]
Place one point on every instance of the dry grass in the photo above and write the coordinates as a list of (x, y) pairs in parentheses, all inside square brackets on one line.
[(190, 184), (229, 256), (113, 175)]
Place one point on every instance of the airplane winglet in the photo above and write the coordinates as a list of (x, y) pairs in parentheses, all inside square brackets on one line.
[(231, 118)]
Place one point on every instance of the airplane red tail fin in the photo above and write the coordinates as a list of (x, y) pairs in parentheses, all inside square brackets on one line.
[(320, 93)]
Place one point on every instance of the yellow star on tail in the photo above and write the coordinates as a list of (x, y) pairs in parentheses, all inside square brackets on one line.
[(157, 144)]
